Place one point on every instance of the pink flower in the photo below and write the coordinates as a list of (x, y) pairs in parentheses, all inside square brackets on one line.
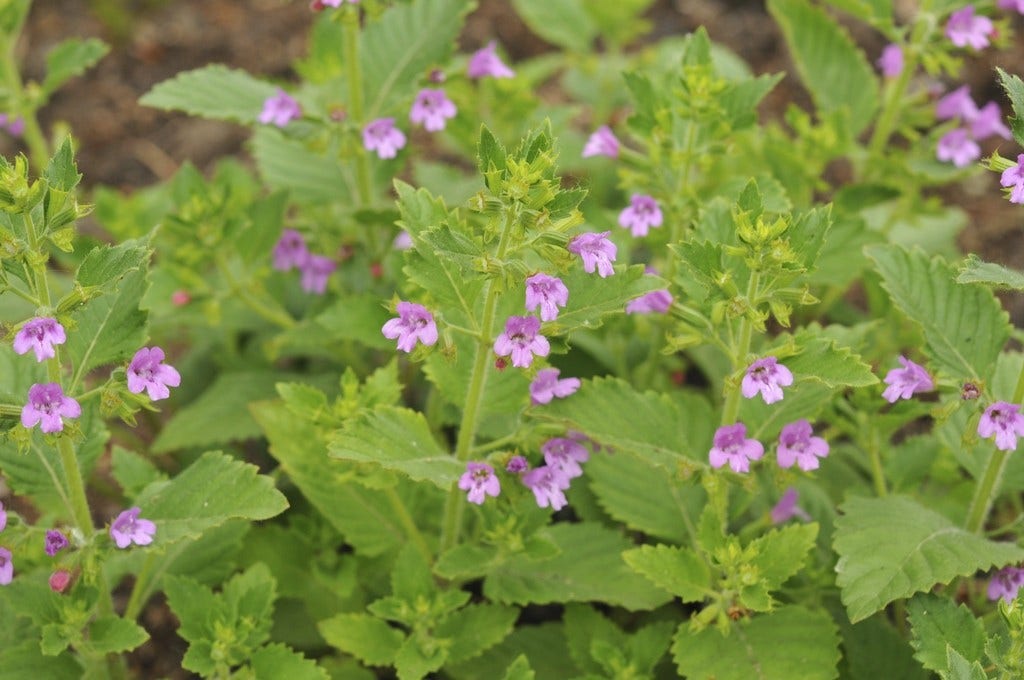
[(336, 3), (1004, 421), (546, 386), (40, 335), (403, 241), (60, 580), (522, 340), (16, 126), (148, 372), (517, 465), (1015, 5), (432, 109), (964, 29), (480, 481), (129, 528), (290, 251), (546, 292), (890, 63), (904, 382), (787, 508), (641, 214), (655, 302), (596, 251), (3, 517), (796, 445), (485, 63), (602, 142), (1013, 179), (315, 272), (1005, 583), (414, 324), (956, 104), (564, 456), (989, 121), (732, 446), (6, 567), (280, 109), (55, 542), (48, 405), (548, 487), (957, 147), (382, 136), (768, 377)]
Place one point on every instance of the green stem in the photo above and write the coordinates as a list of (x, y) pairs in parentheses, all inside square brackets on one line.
[(265, 307), (451, 525), (731, 408), (411, 530), (76, 486), (991, 480), (38, 148), (140, 587), (354, 75), (877, 472)]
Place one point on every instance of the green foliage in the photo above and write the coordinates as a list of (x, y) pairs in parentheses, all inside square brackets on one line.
[(939, 624), (601, 648), (71, 58), (290, 165), (890, 548), (680, 571), (1014, 88), (565, 23), (974, 270), (213, 91)]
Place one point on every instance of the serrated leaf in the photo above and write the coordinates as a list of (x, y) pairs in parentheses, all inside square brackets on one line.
[(588, 567), (781, 552), (104, 266), (207, 493), (974, 270), (564, 23), (113, 635), (1015, 91), (680, 571), (790, 642), (890, 548), (365, 637), (519, 669), (275, 661), (397, 439), (828, 362), (476, 628), (592, 299), (70, 58), (964, 325), (874, 649), (358, 317), (961, 668), (415, 661), (213, 91), (938, 623), (765, 421), (288, 164), (402, 45), (133, 472), (831, 66), (26, 660)]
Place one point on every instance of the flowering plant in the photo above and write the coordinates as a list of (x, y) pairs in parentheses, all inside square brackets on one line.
[(639, 384)]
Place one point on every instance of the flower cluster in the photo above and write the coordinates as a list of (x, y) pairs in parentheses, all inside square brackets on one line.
[(291, 252), (960, 145), (414, 324), (964, 29)]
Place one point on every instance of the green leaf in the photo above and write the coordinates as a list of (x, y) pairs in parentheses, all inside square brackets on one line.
[(588, 567), (109, 328), (104, 266), (790, 642), (275, 661), (365, 637), (207, 493), (397, 439), (680, 571), (519, 669), (974, 270), (70, 58), (831, 66), (213, 91), (874, 12), (398, 49), (961, 668), (1015, 91), (358, 317), (113, 635), (938, 623), (289, 164), (781, 552), (476, 628), (591, 299), (964, 325), (564, 23), (61, 172), (828, 362), (133, 472), (27, 661), (765, 421), (874, 649), (415, 660), (665, 432), (890, 548)]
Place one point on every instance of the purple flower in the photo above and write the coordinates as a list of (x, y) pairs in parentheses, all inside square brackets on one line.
[(382, 136), (55, 542), (1003, 420), (485, 63), (522, 340), (546, 292), (596, 251), (1015, 5), (1014, 177), (796, 445), (148, 372), (548, 487), (1005, 583), (280, 109), (16, 126), (128, 528), (641, 214), (337, 3), (787, 508), (3, 517), (655, 302), (432, 109), (480, 481), (6, 567), (40, 335), (564, 456), (403, 241), (904, 382), (890, 63), (768, 377), (290, 251), (963, 29), (546, 386), (602, 142), (315, 272), (956, 104), (414, 323), (733, 447), (47, 404), (517, 465), (989, 121), (957, 147)]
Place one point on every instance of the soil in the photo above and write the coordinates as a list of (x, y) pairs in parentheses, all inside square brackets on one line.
[(125, 145)]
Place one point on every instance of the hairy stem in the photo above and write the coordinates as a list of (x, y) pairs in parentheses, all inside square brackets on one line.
[(731, 408), (38, 148)]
